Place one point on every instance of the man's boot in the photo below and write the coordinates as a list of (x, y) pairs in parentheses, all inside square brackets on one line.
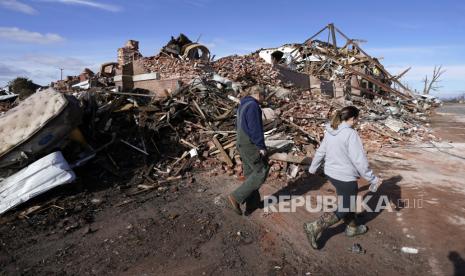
[(235, 206), (252, 203), (352, 229), (314, 229)]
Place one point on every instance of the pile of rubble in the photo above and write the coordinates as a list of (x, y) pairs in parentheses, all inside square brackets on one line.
[(159, 117), (338, 70), (7, 100), (248, 70), (168, 67), (183, 47)]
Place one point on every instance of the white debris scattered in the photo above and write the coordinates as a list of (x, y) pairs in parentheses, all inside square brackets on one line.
[(394, 124), (409, 250)]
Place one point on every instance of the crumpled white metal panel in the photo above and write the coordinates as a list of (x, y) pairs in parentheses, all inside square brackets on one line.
[(44, 174)]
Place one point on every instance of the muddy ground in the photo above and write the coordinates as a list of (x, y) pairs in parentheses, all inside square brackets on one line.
[(91, 227)]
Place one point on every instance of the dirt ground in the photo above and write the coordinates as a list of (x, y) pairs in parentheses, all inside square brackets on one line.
[(93, 228)]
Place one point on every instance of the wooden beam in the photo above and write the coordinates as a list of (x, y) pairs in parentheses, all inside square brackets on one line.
[(371, 79), (184, 155), (292, 124), (389, 75), (127, 94), (305, 42), (285, 157), (225, 156), (384, 133), (196, 105), (189, 144), (401, 74), (369, 91), (333, 35), (319, 32)]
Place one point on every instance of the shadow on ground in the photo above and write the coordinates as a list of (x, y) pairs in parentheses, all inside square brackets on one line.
[(458, 262)]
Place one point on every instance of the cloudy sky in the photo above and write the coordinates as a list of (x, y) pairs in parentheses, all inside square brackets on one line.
[(37, 37)]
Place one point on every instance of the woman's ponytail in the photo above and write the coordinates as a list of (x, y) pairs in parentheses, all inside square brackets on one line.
[(336, 120), (343, 115)]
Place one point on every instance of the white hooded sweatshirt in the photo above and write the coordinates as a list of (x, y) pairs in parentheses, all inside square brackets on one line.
[(344, 156)]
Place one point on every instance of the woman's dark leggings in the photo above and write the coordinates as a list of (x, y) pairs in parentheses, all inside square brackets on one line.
[(345, 190)]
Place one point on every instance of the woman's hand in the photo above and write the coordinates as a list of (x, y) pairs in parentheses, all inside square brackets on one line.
[(319, 172), (374, 187)]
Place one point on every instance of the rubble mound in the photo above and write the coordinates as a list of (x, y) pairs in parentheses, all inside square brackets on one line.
[(248, 69), (163, 116), (170, 67)]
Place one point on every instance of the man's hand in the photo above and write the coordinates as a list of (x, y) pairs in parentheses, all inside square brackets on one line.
[(374, 187)]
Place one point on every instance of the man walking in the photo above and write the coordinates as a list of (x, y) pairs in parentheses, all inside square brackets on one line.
[(251, 146)]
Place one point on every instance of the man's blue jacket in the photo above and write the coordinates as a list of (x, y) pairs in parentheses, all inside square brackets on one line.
[(251, 121)]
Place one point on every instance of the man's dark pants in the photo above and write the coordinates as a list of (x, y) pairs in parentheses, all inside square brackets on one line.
[(255, 168)]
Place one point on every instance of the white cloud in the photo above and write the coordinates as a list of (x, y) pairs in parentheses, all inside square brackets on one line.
[(69, 63), (19, 35), (89, 3), (17, 6), (27, 9), (44, 68), (8, 72)]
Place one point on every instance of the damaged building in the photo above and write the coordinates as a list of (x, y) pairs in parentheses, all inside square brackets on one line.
[(127, 116)]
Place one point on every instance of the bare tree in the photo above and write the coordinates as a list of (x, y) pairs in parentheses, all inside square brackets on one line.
[(433, 83)]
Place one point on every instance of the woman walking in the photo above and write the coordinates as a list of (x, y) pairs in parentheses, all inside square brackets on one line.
[(345, 161)]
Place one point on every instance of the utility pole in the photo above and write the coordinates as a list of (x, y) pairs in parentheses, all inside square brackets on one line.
[(61, 71)]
